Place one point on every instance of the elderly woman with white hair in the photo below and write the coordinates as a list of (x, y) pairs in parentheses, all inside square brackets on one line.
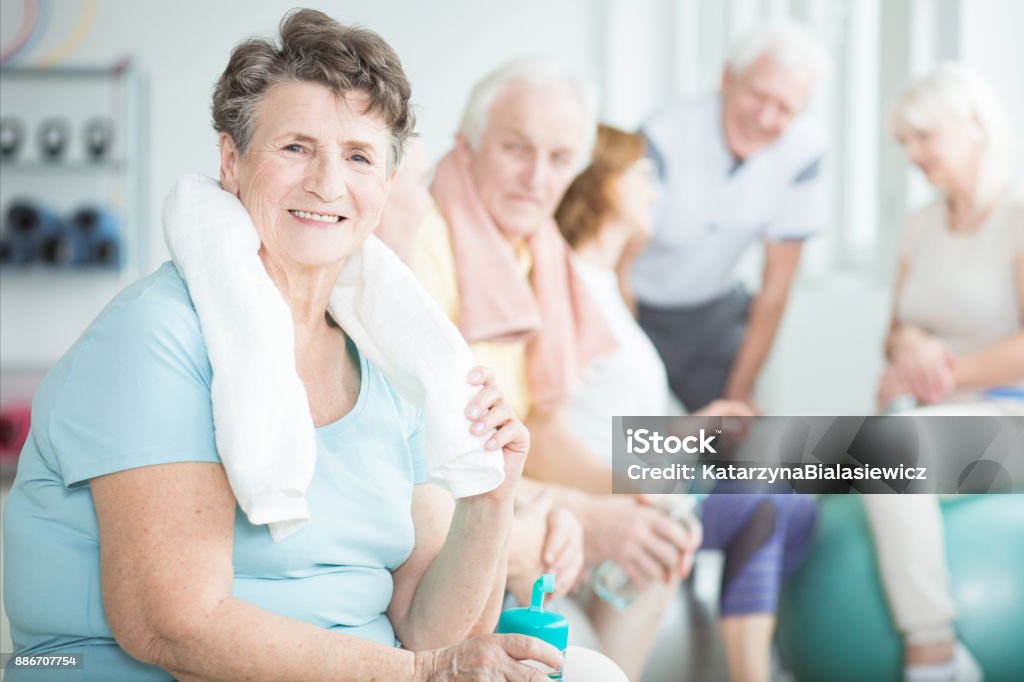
[(957, 333), (959, 300)]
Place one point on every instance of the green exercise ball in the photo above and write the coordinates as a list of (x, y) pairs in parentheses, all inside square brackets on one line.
[(834, 622)]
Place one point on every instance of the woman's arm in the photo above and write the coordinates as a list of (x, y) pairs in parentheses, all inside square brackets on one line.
[(894, 338), (166, 539), (546, 539), (1003, 361), (1000, 363), (932, 372), (559, 456), (919, 363), (451, 586)]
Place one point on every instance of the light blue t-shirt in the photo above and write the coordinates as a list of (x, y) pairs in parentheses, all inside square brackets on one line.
[(133, 391)]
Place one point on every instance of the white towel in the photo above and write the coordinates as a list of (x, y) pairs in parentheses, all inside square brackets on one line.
[(265, 434)]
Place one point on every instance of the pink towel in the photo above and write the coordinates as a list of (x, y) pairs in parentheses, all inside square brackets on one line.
[(551, 309)]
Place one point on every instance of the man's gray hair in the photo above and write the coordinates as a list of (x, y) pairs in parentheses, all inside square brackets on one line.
[(538, 72), (787, 42), (954, 92)]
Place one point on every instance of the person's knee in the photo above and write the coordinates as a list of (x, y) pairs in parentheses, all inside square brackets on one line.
[(759, 529), (801, 513)]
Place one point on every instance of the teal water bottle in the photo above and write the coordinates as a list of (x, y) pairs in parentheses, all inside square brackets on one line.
[(534, 621)]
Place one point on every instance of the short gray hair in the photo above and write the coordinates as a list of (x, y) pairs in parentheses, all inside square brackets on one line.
[(314, 49), (534, 71), (953, 91), (787, 42)]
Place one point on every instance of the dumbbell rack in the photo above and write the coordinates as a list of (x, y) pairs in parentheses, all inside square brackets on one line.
[(75, 96), (44, 308)]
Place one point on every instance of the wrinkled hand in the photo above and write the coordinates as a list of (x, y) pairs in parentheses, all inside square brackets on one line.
[(727, 408), (643, 540), (695, 531), (926, 369), (563, 550), (491, 658), (734, 415), (732, 397), (890, 387), (681, 510), (544, 539), (488, 413)]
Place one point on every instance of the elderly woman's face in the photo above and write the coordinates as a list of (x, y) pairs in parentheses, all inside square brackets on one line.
[(315, 177), (943, 151), (635, 194)]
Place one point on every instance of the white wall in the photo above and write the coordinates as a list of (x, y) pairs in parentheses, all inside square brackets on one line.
[(642, 52), (182, 47), (990, 41)]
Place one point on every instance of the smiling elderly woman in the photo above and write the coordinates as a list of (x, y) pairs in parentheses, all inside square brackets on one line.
[(123, 539)]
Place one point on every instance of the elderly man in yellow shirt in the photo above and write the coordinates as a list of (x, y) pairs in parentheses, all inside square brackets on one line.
[(493, 258)]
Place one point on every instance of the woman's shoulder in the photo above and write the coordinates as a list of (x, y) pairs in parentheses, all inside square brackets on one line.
[(163, 289), (154, 311), (134, 389)]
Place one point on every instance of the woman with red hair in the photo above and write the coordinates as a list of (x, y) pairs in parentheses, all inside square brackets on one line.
[(763, 536)]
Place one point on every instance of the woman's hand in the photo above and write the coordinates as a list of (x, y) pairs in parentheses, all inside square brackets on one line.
[(925, 367), (690, 524), (728, 408), (695, 531), (563, 550), (643, 540), (544, 539), (491, 658), (488, 412), (734, 415), (891, 387)]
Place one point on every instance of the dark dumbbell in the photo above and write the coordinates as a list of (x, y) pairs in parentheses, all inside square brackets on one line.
[(28, 228), (99, 229), (99, 138), (12, 134), (53, 138)]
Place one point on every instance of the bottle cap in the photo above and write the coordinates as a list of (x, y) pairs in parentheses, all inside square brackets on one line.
[(553, 628)]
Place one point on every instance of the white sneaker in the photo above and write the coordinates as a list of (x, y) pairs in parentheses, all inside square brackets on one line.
[(961, 668)]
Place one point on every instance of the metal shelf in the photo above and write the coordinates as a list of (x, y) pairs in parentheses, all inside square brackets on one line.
[(119, 181), (120, 70), (107, 165), (46, 307)]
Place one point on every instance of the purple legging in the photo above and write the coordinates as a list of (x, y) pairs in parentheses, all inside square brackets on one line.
[(764, 537)]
